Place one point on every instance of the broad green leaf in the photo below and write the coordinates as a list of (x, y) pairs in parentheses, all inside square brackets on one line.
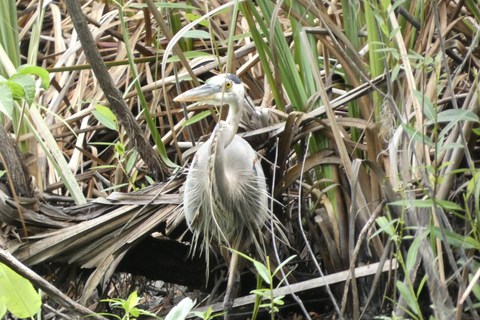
[(427, 203), (106, 117), (408, 296), (28, 85), (278, 300), (180, 311), (106, 112), (150, 180), (18, 294), (6, 101), (413, 251), (425, 102), (193, 17), (266, 293), (457, 240), (131, 302), (454, 115), (396, 70), (197, 34), (262, 271), (16, 90), (110, 124), (385, 226), (120, 148), (131, 161), (135, 312), (417, 135), (451, 145), (40, 72), (197, 118), (449, 205)]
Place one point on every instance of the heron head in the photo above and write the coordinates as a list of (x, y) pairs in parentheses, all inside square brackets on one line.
[(219, 90)]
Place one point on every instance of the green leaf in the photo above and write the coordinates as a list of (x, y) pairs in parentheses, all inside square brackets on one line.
[(455, 115), (416, 135), (150, 180), (131, 302), (449, 205), (16, 90), (193, 17), (197, 118), (120, 148), (40, 72), (451, 145), (427, 203), (6, 101), (106, 117), (385, 226), (28, 85), (282, 264), (396, 70), (266, 293), (180, 311), (117, 186), (196, 34), (452, 117), (262, 271), (408, 296), (278, 300), (106, 112), (424, 101), (18, 294), (131, 161), (457, 240), (135, 312), (420, 286), (413, 251), (190, 55), (476, 287), (107, 166)]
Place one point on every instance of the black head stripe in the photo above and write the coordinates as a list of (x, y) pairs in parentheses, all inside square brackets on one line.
[(233, 78)]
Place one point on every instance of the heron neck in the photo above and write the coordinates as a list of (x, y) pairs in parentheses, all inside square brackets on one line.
[(223, 135), (233, 119), (221, 138)]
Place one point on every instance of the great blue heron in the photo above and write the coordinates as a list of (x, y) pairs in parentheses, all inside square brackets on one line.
[(225, 197)]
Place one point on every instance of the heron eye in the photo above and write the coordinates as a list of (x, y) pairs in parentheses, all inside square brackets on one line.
[(228, 84)]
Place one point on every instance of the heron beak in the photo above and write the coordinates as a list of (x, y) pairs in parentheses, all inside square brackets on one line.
[(202, 93)]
